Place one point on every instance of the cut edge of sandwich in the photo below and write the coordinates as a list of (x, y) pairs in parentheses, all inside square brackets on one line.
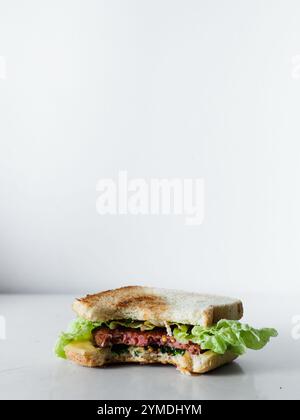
[(158, 306), (86, 354)]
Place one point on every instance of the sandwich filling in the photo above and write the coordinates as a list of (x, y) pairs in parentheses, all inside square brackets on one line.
[(156, 338), (122, 335)]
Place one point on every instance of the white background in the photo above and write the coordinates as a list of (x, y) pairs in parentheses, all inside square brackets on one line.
[(161, 89)]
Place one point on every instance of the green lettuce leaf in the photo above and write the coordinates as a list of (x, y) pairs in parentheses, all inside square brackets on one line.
[(79, 330), (225, 335), (142, 325)]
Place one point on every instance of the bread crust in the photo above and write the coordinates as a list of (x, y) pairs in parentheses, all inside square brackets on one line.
[(158, 306), (86, 354)]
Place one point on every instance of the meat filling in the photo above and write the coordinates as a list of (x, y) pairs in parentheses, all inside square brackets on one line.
[(105, 337)]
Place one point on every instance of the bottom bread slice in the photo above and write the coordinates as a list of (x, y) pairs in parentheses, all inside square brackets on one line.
[(86, 354)]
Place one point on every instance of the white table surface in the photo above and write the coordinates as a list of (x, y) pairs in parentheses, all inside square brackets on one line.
[(29, 369)]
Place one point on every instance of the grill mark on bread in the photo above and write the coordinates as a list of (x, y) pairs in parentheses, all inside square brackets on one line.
[(129, 297), (150, 301), (89, 300)]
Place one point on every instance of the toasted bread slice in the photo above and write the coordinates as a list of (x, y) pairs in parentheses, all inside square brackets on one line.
[(158, 306), (86, 354)]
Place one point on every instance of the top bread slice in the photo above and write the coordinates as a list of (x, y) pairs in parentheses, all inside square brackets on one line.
[(158, 306)]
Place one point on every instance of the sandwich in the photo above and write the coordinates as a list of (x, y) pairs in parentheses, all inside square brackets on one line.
[(194, 332)]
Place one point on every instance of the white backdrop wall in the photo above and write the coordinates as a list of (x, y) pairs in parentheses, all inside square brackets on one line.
[(162, 88)]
